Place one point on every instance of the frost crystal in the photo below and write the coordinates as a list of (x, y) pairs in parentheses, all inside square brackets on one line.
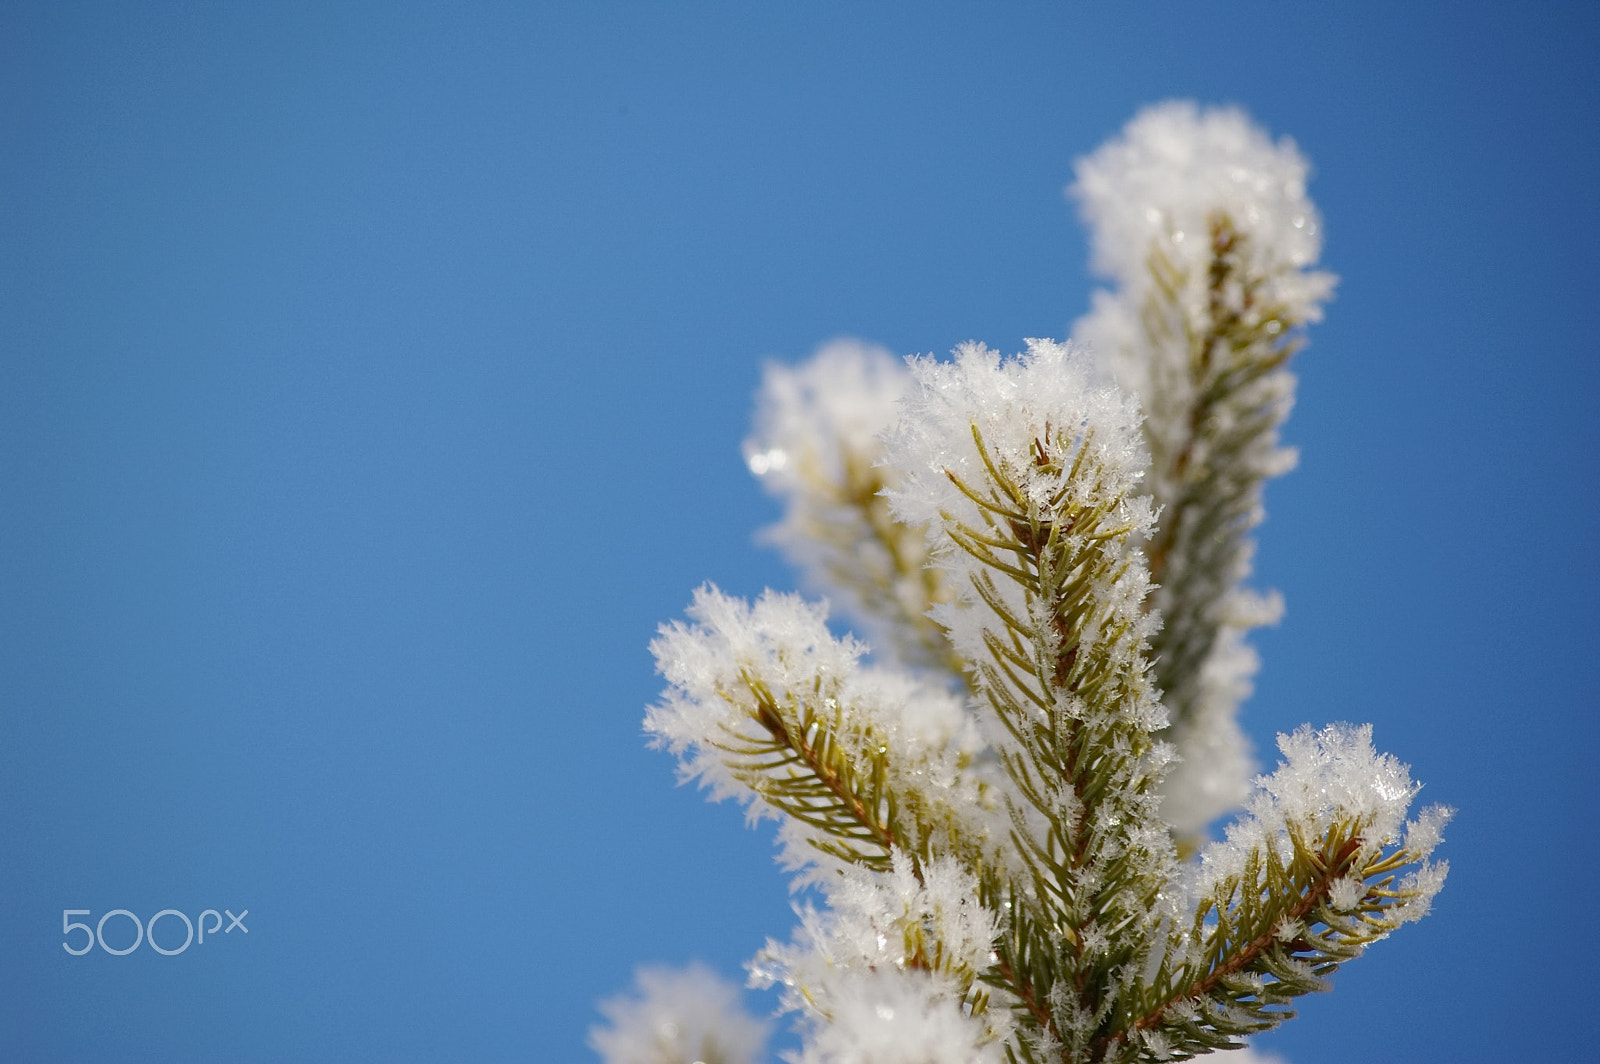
[(678, 1017), (1335, 772), (895, 1018), (1174, 167)]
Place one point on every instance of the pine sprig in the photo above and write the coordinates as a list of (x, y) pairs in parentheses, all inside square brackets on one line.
[(1203, 224), (766, 705), (1064, 674), (1273, 931), (1211, 455), (808, 758), (881, 562), (816, 446)]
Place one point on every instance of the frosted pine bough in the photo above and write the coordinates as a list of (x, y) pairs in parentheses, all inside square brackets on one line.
[(1001, 815), (1204, 226)]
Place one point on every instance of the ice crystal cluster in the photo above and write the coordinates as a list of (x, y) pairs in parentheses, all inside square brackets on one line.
[(998, 815)]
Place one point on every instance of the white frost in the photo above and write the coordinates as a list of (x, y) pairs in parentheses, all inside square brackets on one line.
[(816, 447), (1051, 389), (678, 1017), (1050, 393), (782, 644), (890, 954), (1329, 777), (895, 1017), (813, 414), (1173, 167)]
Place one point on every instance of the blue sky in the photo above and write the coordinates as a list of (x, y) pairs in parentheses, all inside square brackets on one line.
[(372, 379)]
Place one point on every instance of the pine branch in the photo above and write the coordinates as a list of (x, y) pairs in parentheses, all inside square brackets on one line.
[(765, 703), (1204, 224), (999, 871), (1064, 675), (1209, 473), (817, 447), (1304, 882), (1263, 937), (882, 563), (809, 761)]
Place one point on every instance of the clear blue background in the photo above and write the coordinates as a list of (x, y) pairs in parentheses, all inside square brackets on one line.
[(371, 385)]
